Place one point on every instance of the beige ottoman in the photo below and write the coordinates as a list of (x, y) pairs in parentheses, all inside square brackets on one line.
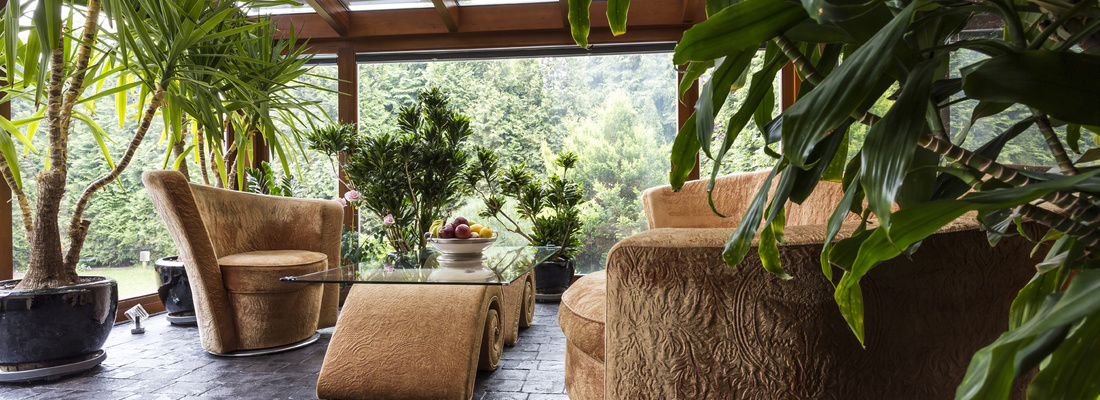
[(581, 316)]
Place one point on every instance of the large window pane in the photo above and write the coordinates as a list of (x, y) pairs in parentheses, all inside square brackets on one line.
[(617, 113)]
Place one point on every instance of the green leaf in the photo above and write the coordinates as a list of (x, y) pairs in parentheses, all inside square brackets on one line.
[(993, 367), (769, 252), (112, 91), (714, 93), (685, 149), (737, 28), (12, 129), (47, 21), (982, 110), (1030, 299), (98, 134), (738, 244), (1073, 137), (579, 23), (616, 15), (11, 38), (1029, 77), (7, 148), (891, 143), (832, 228), (1073, 368), (694, 70), (812, 117)]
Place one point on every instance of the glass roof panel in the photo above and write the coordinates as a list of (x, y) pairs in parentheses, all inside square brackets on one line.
[(279, 7), (491, 2), (370, 5)]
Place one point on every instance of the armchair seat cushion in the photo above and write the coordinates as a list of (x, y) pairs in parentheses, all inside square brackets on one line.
[(582, 314), (259, 271)]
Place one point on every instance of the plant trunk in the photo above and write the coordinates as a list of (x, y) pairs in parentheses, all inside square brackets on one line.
[(47, 269), (177, 151)]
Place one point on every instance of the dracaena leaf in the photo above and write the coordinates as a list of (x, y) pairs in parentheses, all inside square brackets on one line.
[(738, 27), (1030, 77)]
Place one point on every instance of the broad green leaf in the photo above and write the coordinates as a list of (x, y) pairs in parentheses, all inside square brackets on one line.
[(1030, 299), (824, 11), (11, 38), (812, 32), (120, 100), (616, 15), (694, 70), (14, 131), (1074, 367), (579, 23), (1073, 137), (993, 367), (714, 93), (685, 149), (1029, 77), (737, 28), (823, 157), (714, 6), (32, 56), (913, 224), (832, 228), (812, 117), (891, 143), (769, 252), (47, 21), (738, 244)]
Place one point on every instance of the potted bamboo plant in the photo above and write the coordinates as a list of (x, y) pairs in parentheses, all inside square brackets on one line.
[(55, 321), (551, 207), (1043, 63)]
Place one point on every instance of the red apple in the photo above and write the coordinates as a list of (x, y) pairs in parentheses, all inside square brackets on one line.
[(447, 232), (460, 221), (462, 231)]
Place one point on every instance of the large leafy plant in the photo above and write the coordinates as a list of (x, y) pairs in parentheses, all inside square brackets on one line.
[(849, 55), (53, 63)]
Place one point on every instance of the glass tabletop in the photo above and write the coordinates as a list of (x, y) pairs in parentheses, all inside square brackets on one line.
[(497, 265)]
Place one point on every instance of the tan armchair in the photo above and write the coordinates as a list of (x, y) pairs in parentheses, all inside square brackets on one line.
[(235, 246), (669, 320)]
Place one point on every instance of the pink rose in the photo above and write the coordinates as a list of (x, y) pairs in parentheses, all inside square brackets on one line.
[(353, 196), (388, 220), (388, 267), (343, 203)]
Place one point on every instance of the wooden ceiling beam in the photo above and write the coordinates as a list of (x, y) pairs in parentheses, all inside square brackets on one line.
[(690, 9), (334, 13), (564, 13), (448, 12)]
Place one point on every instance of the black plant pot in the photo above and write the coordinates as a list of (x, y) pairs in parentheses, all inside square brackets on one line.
[(552, 277), (175, 289), (55, 331)]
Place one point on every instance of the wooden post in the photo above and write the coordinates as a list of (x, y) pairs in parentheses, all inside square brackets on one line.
[(788, 86), (347, 70)]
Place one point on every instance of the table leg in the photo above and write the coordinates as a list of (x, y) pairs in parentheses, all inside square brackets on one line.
[(413, 342), (520, 307)]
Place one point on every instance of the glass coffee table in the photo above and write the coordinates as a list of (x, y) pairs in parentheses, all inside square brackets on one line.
[(421, 326)]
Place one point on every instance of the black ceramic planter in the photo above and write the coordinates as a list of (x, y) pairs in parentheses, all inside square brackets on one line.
[(175, 289), (552, 277), (58, 326)]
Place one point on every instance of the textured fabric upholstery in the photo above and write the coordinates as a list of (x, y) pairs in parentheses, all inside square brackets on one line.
[(680, 324), (218, 233)]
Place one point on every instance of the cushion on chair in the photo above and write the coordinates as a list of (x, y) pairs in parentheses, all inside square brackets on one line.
[(582, 314), (259, 271)]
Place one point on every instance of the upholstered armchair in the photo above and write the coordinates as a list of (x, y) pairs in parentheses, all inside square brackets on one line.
[(669, 320), (235, 246)]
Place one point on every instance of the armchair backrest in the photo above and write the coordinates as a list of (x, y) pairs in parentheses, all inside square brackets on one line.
[(732, 195), (176, 205)]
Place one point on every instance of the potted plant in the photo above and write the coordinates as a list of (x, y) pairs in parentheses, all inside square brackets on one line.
[(55, 321), (408, 179), (551, 207), (1043, 66)]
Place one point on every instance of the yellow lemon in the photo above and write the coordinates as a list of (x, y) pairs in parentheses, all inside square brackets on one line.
[(486, 232), (475, 227)]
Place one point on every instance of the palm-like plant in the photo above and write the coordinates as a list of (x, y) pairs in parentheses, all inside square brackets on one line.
[(147, 41), (848, 55)]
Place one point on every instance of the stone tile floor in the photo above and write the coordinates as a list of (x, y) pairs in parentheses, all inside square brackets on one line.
[(137, 368)]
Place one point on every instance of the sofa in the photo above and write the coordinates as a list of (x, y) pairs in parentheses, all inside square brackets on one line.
[(668, 319)]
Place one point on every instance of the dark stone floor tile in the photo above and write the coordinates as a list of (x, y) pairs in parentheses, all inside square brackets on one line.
[(504, 396), (539, 386), (499, 385), (188, 388)]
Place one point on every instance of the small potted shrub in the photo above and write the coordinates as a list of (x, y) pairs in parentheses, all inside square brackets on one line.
[(551, 207), (407, 179)]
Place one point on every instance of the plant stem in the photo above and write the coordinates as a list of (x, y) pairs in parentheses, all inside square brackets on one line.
[(83, 55), (78, 227), (1053, 27), (202, 155), (1056, 148), (1086, 234)]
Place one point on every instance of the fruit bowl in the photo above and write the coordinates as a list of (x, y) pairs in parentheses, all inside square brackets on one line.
[(461, 246)]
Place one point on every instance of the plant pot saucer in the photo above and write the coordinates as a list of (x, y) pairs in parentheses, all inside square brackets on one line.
[(54, 372), (271, 350), (182, 318), (547, 298)]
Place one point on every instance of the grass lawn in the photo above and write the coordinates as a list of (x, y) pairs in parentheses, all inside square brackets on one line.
[(132, 281)]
